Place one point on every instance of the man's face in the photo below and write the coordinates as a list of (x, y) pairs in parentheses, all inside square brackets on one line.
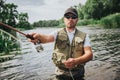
[(70, 20)]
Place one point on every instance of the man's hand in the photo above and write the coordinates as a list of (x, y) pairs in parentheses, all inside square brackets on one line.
[(70, 63), (41, 38), (35, 37)]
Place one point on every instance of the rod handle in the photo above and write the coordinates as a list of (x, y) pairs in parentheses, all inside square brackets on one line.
[(29, 36)]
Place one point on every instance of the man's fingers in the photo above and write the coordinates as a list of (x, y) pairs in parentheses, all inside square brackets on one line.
[(32, 34), (70, 63)]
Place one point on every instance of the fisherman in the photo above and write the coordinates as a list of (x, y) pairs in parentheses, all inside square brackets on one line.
[(72, 48)]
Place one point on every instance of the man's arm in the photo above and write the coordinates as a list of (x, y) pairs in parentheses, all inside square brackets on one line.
[(43, 38), (87, 56)]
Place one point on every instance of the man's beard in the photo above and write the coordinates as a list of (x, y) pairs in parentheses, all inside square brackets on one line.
[(70, 25)]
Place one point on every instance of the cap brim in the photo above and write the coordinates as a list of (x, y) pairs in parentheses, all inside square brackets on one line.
[(71, 13)]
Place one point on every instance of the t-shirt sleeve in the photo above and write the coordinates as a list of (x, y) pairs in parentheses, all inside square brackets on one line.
[(87, 41), (54, 34)]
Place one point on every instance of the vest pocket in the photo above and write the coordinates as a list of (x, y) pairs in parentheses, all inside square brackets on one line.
[(58, 58), (79, 46), (61, 44), (62, 41)]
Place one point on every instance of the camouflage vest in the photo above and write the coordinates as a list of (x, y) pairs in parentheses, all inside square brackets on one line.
[(64, 50)]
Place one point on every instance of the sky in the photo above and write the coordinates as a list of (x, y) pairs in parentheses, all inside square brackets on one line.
[(44, 9)]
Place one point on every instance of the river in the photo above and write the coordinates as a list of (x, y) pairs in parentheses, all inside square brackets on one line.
[(33, 65)]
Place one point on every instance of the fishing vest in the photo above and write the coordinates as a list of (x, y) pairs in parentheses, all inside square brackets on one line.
[(64, 50)]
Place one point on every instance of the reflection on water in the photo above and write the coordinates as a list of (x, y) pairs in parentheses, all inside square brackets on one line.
[(38, 66)]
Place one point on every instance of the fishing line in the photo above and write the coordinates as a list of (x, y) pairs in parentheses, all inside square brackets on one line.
[(71, 75), (69, 68)]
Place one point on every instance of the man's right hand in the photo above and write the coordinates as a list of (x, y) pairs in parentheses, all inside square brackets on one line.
[(33, 37), (41, 38)]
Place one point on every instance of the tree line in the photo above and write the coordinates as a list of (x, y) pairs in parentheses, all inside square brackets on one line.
[(46, 23)]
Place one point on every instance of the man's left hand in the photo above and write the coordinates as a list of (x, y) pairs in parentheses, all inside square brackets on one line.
[(70, 63)]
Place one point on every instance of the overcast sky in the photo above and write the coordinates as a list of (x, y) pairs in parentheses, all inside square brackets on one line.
[(44, 9)]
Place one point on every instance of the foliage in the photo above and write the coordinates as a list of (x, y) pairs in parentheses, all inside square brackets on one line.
[(92, 9), (111, 21), (9, 15), (23, 21), (8, 43), (96, 9), (87, 22), (46, 23)]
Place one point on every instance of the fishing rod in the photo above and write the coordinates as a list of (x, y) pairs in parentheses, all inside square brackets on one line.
[(10, 27), (38, 45)]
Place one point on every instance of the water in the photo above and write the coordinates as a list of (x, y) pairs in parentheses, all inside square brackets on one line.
[(38, 66)]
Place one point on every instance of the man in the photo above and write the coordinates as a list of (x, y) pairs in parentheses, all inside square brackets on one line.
[(72, 48)]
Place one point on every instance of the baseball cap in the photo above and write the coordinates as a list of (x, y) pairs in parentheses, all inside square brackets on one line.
[(71, 10)]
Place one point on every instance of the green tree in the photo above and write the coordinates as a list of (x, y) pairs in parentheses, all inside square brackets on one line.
[(2, 11), (96, 9), (93, 9), (80, 13), (23, 21), (8, 13), (11, 14), (110, 7)]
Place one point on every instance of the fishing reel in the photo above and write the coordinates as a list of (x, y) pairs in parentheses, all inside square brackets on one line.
[(38, 45)]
